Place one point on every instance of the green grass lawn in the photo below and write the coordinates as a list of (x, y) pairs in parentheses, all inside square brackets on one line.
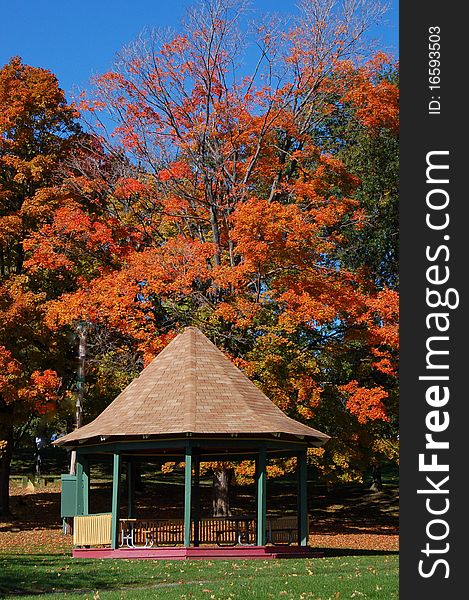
[(59, 576)]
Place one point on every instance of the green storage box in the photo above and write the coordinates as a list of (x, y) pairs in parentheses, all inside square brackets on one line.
[(68, 501)]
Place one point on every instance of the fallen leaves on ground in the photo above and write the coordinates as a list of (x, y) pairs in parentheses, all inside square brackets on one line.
[(37, 528)]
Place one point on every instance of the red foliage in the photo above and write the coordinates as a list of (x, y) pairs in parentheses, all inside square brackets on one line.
[(10, 373), (365, 403)]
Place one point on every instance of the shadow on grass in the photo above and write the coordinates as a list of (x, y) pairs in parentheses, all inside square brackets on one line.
[(37, 574), (336, 552), (341, 509)]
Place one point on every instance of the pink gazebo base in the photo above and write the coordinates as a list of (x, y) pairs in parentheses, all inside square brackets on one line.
[(203, 552)]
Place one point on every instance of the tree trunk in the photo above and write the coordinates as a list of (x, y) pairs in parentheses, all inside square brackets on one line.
[(19, 258), (377, 484), (2, 262), (139, 485), (215, 234), (6, 451), (221, 493)]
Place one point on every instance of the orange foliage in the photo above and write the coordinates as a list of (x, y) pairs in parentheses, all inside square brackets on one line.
[(35, 126), (232, 220), (365, 403), (231, 240), (376, 99), (10, 373), (42, 391)]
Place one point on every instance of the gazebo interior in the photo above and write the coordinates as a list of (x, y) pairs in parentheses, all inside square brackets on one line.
[(190, 405)]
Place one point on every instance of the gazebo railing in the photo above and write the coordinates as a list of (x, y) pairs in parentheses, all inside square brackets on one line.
[(228, 531), (95, 530), (92, 530), (151, 532), (223, 531), (282, 531)]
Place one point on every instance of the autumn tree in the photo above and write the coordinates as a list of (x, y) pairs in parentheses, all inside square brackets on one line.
[(235, 216), (36, 125), (363, 131)]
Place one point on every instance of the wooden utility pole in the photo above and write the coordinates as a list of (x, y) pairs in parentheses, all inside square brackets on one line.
[(82, 331)]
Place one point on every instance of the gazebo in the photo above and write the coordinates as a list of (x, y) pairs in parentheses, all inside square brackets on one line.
[(190, 404)]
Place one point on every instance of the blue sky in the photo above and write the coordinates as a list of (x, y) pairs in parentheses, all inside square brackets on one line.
[(77, 40)]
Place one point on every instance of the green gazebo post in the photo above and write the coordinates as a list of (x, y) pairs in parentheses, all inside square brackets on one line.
[(303, 524), (187, 495), (115, 506), (82, 472), (261, 519), (196, 499)]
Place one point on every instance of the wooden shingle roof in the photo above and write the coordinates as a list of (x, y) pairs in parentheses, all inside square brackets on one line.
[(191, 387)]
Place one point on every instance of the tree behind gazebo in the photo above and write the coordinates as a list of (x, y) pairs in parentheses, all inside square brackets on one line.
[(235, 223)]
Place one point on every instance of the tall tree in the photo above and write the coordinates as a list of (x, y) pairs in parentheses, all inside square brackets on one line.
[(35, 128), (235, 216), (363, 132)]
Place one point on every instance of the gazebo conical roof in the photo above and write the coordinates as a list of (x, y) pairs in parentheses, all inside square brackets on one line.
[(192, 388)]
